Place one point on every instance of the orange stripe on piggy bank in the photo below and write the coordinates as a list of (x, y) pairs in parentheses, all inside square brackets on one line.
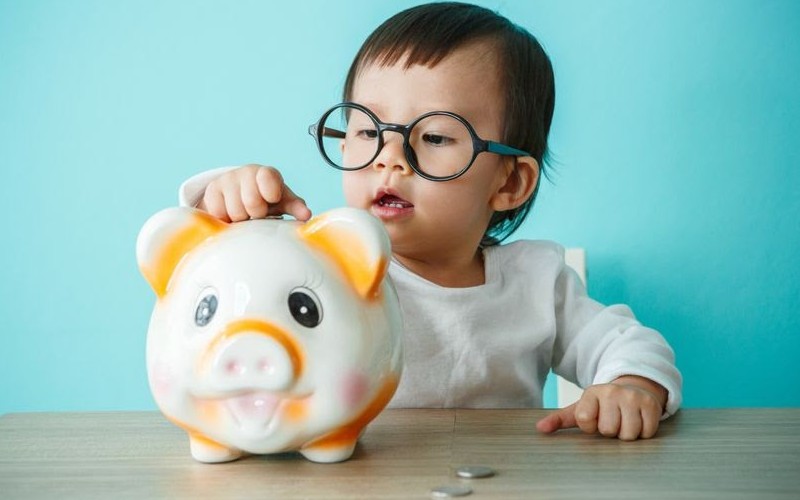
[(270, 335)]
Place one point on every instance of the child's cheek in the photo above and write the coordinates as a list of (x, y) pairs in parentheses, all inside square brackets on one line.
[(356, 193)]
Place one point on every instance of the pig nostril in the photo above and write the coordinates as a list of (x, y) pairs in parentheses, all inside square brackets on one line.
[(234, 368), (264, 366)]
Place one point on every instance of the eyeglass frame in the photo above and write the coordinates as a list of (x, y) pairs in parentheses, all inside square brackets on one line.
[(478, 145)]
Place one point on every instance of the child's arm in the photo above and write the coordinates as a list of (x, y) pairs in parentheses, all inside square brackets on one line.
[(627, 369), (630, 407), (248, 192)]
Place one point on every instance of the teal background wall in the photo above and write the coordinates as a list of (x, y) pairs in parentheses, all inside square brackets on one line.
[(676, 135)]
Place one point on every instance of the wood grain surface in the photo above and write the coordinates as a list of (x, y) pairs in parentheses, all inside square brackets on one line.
[(719, 453)]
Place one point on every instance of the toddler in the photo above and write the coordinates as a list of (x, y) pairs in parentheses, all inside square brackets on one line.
[(442, 135)]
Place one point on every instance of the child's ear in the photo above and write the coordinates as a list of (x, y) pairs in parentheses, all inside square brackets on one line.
[(521, 175)]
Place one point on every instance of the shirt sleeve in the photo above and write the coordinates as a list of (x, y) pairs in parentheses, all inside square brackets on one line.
[(192, 189), (596, 344)]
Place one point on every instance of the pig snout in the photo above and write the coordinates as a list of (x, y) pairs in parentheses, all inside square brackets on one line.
[(254, 360)]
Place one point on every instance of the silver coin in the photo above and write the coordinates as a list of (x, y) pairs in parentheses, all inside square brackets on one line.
[(450, 491), (474, 471)]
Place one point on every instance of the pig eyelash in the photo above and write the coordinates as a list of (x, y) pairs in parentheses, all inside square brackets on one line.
[(313, 281)]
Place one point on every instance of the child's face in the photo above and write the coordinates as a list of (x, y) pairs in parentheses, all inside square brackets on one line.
[(427, 219)]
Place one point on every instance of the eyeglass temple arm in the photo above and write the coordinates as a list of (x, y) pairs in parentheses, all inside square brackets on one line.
[(502, 149), (327, 132)]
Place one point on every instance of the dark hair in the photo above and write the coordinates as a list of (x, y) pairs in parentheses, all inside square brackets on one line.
[(426, 34)]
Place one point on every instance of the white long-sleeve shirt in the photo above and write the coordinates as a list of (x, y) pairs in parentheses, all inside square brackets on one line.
[(492, 345)]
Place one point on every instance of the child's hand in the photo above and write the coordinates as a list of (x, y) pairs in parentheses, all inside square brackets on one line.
[(628, 408), (252, 191)]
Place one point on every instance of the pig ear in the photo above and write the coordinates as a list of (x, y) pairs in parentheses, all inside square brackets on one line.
[(356, 241), (167, 237)]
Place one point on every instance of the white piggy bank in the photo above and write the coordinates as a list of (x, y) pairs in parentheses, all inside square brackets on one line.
[(270, 335)]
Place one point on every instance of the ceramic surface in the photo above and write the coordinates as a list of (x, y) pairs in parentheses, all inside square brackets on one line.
[(270, 335)]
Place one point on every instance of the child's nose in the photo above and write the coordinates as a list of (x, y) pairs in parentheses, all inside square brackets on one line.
[(392, 156)]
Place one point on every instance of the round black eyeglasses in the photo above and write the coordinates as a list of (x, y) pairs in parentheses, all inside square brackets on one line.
[(439, 146)]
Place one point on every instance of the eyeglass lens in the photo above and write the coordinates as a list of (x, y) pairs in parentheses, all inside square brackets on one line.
[(442, 144)]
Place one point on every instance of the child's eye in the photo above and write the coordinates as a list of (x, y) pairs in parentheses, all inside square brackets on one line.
[(437, 140), (370, 133)]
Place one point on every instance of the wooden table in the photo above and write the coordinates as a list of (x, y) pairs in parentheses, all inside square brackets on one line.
[(744, 453)]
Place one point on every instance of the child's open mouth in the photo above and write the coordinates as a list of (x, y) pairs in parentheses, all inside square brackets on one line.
[(388, 206), (393, 202)]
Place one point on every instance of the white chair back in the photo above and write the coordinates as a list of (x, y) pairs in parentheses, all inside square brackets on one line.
[(568, 392)]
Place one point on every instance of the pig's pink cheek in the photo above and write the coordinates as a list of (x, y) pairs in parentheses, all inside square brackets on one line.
[(161, 378), (354, 389)]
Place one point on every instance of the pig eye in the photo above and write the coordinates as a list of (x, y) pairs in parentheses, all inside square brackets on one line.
[(205, 309), (305, 307)]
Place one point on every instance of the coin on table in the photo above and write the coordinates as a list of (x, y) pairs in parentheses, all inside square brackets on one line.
[(450, 491), (474, 471)]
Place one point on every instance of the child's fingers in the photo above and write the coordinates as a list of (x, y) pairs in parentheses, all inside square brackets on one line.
[(254, 204), (559, 419), (280, 197), (296, 206), (270, 184), (233, 203), (609, 419), (586, 413), (651, 417), (214, 204), (631, 425)]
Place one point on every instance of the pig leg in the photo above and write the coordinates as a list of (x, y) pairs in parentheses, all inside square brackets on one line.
[(211, 452), (328, 453), (339, 444)]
